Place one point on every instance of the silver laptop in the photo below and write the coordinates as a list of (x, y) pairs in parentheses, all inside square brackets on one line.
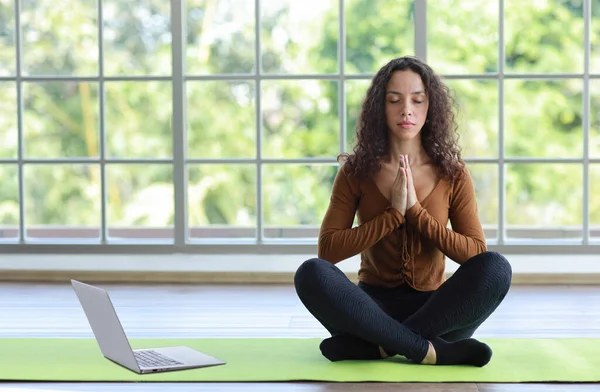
[(115, 346)]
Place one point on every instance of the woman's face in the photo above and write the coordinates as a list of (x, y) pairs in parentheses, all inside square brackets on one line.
[(406, 104)]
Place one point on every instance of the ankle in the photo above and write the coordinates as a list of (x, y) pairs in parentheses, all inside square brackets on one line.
[(383, 353), (430, 357)]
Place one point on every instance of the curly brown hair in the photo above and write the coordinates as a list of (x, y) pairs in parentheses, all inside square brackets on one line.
[(439, 135)]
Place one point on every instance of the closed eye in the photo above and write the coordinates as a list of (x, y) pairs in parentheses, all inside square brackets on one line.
[(396, 101)]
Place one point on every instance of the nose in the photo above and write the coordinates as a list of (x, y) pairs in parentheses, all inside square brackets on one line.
[(406, 106)]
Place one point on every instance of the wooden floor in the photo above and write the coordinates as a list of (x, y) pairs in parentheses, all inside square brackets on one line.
[(31, 309)]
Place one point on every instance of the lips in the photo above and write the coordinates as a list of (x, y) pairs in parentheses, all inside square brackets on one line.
[(406, 124)]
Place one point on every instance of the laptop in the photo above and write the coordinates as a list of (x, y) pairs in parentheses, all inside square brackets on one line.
[(115, 346)]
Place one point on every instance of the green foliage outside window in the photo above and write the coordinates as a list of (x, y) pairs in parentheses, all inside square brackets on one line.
[(542, 118)]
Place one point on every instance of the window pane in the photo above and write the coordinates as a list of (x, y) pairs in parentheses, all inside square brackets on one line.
[(595, 38), (220, 36), (8, 120), (300, 119), (485, 179), (295, 198), (59, 37), (7, 38), (376, 32), (356, 91), (222, 201), (297, 37), (477, 116), (9, 202), (544, 200), (543, 118), (595, 201), (462, 36), (221, 119), (60, 119), (537, 40), (137, 37), (62, 201), (594, 141), (140, 201), (138, 119)]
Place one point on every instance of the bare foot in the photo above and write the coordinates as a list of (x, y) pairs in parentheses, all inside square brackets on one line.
[(430, 357), (382, 352)]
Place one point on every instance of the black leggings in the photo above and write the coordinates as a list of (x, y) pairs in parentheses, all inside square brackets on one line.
[(402, 319)]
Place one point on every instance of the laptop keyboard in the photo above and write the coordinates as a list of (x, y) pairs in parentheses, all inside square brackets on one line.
[(149, 358)]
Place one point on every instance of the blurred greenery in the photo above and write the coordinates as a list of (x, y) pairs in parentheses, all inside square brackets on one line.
[(129, 135), (212, 185), (7, 38), (288, 32), (537, 199), (485, 179), (477, 116), (355, 93), (595, 118), (137, 40), (300, 119), (65, 125), (546, 124), (51, 203), (59, 38), (542, 119), (594, 192), (8, 120), (139, 195), (595, 38), (536, 38), (376, 32), (462, 36), (293, 194), (219, 112), (220, 36), (9, 195)]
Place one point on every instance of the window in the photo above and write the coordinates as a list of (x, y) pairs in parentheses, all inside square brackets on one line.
[(215, 124)]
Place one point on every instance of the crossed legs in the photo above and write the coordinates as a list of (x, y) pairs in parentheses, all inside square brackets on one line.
[(447, 319)]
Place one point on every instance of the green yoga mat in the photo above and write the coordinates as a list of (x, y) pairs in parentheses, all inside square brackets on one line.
[(515, 360)]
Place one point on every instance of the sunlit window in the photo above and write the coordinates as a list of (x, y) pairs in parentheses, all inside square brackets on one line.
[(90, 153)]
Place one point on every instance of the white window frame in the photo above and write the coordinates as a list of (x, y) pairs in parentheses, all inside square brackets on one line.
[(182, 244)]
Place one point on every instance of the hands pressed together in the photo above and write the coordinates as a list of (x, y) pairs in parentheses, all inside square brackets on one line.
[(404, 195)]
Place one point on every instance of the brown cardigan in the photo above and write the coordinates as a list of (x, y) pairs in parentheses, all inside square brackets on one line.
[(397, 249)]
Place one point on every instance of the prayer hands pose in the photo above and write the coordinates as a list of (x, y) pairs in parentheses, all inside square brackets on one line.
[(404, 195)]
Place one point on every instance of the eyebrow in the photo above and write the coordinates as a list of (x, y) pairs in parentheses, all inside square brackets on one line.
[(412, 93)]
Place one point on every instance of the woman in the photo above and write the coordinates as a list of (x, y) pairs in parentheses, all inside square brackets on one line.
[(405, 180)]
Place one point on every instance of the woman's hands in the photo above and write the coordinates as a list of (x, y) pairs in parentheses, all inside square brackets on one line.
[(411, 198), (400, 189), (404, 195)]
